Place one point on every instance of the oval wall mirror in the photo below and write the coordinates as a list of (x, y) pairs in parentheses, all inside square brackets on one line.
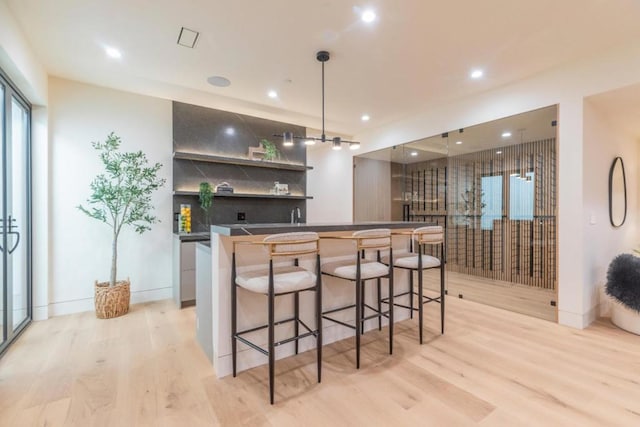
[(617, 193)]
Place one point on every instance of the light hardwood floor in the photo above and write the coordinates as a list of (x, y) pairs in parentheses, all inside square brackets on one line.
[(491, 368), (523, 299)]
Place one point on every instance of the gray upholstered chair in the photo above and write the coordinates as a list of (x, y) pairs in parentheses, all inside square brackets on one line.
[(274, 281), (416, 260), (359, 270)]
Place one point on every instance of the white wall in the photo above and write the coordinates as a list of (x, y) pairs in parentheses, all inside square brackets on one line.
[(18, 60), (80, 246), (330, 182), (602, 143)]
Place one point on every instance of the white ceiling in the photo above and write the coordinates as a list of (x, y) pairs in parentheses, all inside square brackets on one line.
[(416, 54)]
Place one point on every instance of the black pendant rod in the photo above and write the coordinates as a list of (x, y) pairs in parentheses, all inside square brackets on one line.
[(323, 135), (322, 56)]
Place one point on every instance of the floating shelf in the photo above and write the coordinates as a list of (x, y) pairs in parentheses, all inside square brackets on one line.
[(244, 195), (181, 155)]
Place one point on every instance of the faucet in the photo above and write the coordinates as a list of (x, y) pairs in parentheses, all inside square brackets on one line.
[(295, 216)]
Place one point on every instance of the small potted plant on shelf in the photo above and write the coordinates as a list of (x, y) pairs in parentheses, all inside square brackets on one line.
[(121, 196), (623, 286), (206, 200), (270, 150)]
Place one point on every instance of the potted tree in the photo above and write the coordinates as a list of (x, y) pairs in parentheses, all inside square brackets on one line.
[(623, 286), (120, 196)]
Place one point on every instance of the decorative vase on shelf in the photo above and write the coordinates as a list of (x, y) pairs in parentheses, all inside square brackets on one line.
[(205, 196)]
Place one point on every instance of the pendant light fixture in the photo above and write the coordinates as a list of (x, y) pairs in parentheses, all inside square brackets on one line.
[(336, 142)]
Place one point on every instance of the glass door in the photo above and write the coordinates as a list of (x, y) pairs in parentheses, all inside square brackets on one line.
[(15, 213), (17, 219), (3, 240)]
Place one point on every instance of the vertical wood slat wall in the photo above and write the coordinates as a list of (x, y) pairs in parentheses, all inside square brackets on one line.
[(516, 250)]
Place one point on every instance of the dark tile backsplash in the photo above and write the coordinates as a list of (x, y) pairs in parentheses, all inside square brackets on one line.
[(208, 131)]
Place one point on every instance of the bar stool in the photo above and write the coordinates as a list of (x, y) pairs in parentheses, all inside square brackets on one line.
[(359, 270), (418, 261), (275, 281)]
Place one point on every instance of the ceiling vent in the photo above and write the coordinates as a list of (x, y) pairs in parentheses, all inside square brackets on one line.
[(188, 38)]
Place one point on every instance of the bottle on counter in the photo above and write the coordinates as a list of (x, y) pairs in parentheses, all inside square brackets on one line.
[(184, 223)]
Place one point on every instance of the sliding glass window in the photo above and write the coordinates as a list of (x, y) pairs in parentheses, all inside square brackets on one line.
[(15, 212)]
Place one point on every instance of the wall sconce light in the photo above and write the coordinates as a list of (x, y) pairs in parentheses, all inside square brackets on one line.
[(287, 139)]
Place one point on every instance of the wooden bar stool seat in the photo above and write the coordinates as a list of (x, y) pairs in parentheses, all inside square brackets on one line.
[(274, 281), (416, 260), (359, 269)]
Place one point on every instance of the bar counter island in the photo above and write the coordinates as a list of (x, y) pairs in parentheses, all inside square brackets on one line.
[(214, 262)]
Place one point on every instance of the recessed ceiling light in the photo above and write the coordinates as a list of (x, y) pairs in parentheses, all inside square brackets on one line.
[(414, 153), (476, 74), (112, 52), (458, 142), (365, 118), (354, 145), (230, 131), (498, 152), (218, 81), (368, 16), (506, 134), (273, 94)]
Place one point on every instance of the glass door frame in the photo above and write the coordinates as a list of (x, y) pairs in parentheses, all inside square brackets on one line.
[(9, 331)]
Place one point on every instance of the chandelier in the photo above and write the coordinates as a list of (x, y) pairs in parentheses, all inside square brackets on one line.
[(336, 142)]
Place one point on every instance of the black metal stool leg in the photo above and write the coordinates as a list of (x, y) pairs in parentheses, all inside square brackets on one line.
[(272, 356), (378, 282), (442, 296), (391, 310), (420, 301), (296, 307), (234, 326), (411, 292), (319, 320), (358, 319), (362, 303)]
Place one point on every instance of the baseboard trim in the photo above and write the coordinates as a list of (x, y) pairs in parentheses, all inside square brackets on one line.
[(41, 312), (576, 320), (86, 304)]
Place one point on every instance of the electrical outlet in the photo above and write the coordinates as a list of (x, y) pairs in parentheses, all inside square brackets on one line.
[(241, 216)]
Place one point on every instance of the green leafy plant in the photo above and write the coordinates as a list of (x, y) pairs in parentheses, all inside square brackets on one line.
[(271, 152), (122, 194), (206, 199)]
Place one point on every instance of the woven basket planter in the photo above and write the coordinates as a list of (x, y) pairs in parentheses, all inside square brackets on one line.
[(112, 301)]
